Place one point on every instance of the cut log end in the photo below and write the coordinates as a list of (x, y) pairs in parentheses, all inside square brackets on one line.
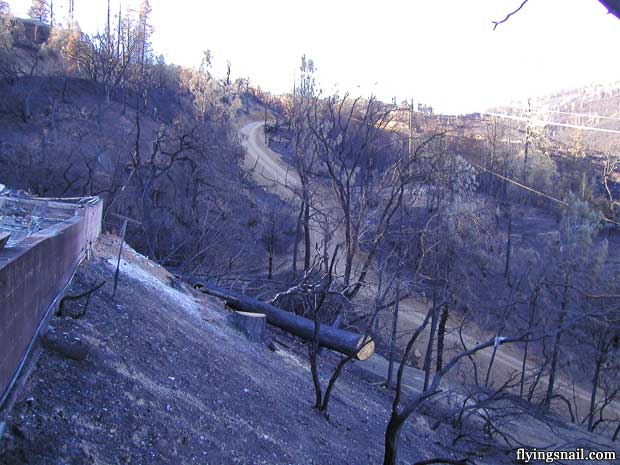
[(366, 350), (253, 325)]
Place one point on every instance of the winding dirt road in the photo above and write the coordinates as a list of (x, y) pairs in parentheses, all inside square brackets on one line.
[(269, 170), (273, 173)]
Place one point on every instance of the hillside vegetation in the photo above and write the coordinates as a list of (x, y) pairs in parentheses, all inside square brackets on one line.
[(477, 252)]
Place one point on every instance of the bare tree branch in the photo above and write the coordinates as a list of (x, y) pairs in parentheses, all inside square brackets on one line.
[(613, 7), (497, 23)]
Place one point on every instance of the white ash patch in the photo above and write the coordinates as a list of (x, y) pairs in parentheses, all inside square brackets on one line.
[(212, 320), (136, 272)]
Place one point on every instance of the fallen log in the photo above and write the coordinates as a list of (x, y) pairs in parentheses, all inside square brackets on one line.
[(346, 342)]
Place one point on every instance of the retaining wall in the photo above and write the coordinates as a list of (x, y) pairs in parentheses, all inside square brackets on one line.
[(33, 274)]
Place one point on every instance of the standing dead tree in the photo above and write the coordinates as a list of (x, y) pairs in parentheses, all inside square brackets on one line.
[(370, 173), (401, 410), (318, 295), (304, 157), (322, 398), (576, 259), (347, 135), (171, 146)]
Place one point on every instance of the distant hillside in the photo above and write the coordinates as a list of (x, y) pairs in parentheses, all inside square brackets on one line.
[(596, 99), (596, 106), (158, 142)]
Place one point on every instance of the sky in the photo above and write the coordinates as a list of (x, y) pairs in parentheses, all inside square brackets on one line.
[(443, 53)]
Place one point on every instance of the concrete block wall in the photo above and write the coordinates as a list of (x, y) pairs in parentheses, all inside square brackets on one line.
[(33, 274)]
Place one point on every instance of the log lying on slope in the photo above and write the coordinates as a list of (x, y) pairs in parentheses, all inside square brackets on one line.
[(346, 342)]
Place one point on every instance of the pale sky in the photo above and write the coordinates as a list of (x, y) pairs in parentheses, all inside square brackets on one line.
[(444, 53)]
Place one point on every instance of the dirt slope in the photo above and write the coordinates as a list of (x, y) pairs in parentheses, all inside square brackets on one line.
[(167, 380)]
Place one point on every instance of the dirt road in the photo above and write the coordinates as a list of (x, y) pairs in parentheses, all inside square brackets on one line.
[(274, 173), (271, 171)]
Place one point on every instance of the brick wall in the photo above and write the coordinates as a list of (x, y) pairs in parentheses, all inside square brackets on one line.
[(33, 274)]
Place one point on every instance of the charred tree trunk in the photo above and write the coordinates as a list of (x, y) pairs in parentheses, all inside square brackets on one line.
[(345, 342), (326, 247), (556, 349), (441, 333), (63, 94), (530, 323), (597, 373), (508, 247), (124, 109), (307, 246), (316, 380), (393, 338), (297, 237), (488, 376), (349, 246), (392, 438), (429, 346)]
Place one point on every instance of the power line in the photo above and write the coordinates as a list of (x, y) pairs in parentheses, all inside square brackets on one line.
[(522, 186), (586, 115), (552, 123), (534, 191)]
